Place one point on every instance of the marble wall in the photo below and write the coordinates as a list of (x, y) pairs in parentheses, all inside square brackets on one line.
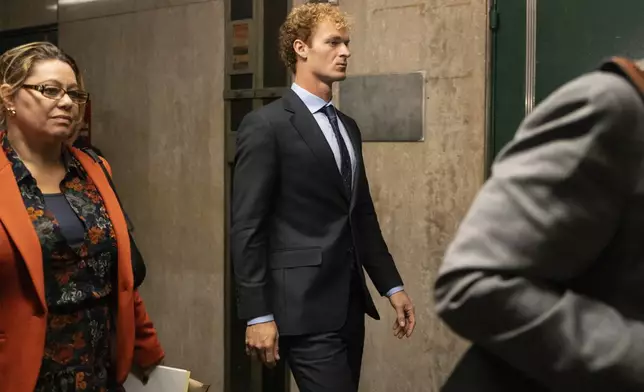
[(419, 211), (27, 13), (155, 72)]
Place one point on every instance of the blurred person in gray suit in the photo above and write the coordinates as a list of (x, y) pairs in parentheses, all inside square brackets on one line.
[(546, 272)]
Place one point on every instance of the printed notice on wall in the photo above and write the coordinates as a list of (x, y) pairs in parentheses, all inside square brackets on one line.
[(241, 39)]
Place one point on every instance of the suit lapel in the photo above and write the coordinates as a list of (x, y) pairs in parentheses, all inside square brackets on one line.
[(357, 149), (310, 131), (16, 221)]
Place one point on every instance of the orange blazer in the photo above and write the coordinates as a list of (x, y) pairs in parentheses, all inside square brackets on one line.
[(23, 310)]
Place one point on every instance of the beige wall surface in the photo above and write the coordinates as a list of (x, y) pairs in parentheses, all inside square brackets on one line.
[(156, 78), (420, 210), (17, 14)]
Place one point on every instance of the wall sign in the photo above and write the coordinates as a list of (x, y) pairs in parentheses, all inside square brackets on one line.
[(241, 42)]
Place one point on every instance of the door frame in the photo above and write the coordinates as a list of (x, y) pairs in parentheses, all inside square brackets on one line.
[(511, 24), (259, 97)]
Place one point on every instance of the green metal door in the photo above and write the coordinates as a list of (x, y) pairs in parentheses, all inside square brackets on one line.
[(538, 45)]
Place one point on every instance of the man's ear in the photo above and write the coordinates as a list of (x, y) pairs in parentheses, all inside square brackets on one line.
[(301, 49)]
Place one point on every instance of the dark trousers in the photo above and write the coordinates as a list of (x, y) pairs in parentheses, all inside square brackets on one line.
[(331, 361)]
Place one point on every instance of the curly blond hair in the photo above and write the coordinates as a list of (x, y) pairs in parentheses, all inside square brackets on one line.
[(301, 23), (16, 65)]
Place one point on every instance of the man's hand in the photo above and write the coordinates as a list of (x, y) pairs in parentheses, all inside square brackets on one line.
[(405, 317), (261, 342)]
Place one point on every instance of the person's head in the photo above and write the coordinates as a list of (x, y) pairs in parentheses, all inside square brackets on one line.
[(314, 40), (41, 92)]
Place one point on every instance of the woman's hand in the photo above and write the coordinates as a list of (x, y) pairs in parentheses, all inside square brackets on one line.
[(144, 374)]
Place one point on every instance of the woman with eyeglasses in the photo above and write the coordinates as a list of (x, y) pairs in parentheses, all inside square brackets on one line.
[(70, 319)]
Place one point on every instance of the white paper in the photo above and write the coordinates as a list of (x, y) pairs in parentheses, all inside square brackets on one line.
[(162, 379)]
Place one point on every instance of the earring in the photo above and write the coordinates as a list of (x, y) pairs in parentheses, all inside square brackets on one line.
[(12, 112)]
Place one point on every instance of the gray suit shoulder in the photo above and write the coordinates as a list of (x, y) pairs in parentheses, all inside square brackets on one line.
[(614, 102), (609, 91)]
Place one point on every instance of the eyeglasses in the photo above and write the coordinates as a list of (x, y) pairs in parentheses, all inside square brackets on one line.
[(55, 92)]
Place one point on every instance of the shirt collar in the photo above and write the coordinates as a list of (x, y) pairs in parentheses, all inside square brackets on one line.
[(312, 101), (20, 169)]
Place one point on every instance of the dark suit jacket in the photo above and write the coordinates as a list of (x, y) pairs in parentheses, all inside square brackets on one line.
[(295, 230)]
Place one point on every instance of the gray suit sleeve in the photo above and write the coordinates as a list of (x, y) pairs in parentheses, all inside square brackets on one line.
[(551, 206)]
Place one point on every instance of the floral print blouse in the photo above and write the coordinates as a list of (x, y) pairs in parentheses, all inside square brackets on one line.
[(79, 279)]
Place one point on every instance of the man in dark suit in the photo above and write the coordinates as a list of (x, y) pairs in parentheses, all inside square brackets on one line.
[(303, 221)]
